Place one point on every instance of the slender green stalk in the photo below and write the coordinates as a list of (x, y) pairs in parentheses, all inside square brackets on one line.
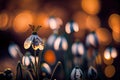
[(20, 55), (36, 68), (55, 69), (19, 76), (39, 62), (33, 66)]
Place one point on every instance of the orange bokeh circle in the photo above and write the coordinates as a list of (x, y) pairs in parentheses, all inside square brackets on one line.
[(50, 57)]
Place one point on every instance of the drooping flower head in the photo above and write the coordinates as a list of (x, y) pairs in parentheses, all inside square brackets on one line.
[(71, 27), (34, 40), (27, 59), (61, 43), (76, 73), (78, 49), (92, 73)]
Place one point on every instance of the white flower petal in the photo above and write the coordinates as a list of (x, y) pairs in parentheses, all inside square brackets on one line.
[(67, 28), (57, 43), (64, 44), (41, 46), (28, 42), (47, 67), (75, 27), (74, 48), (114, 53), (76, 74), (51, 40), (80, 49)]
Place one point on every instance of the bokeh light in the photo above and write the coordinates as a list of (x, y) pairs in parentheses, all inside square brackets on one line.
[(44, 32), (110, 52), (4, 18), (107, 54), (80, 18), (27, 4), (21, 21), (92, 23), (114, 53), (81, 34), (116, 36), (114, 22), (91, 54), (107, 57), (51, 9), (98, 59), (108, 61), (104, 36), (41, 19), (91, 6), (49, 57), (110, 71)]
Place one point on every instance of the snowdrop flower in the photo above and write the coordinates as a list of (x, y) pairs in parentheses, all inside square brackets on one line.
[(71, 27), (14, 50), (51, 39), (61, 43), (34, 40), (54, 23), (92, 40), (92, 73), (46, 68), (110, 52), (27, 59), (76, 74), (78, 49)]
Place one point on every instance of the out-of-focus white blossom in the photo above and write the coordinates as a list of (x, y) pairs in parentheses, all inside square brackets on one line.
[(76, 74), (71, 27)]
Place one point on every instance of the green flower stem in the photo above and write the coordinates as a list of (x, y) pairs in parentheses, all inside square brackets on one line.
[(39, 62), (36, 66), (67, 71), (58, 63), (20, 55), (33, 66), (19, 68)]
